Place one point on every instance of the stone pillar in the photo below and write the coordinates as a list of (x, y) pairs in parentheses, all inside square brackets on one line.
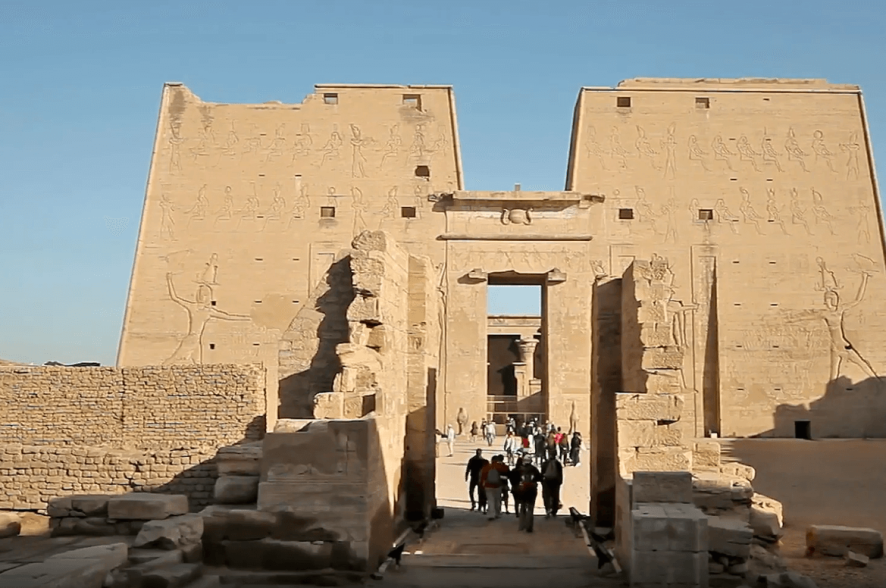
[(526, 351), (521, 374)]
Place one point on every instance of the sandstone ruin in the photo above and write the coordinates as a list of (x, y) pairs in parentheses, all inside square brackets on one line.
[(308, 304)]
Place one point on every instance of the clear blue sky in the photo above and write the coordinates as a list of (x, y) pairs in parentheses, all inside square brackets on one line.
[(81, 86)]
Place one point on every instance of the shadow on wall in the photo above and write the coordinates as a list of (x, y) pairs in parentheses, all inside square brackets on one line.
[(847, 410), (418, 477), (320, 326)]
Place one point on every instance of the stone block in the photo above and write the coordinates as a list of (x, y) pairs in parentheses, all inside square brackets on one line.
[(112, 556), (663, 381), (706, 456), (59, 507), (10, 525), (712, 491), (856, 560), (174, 576), (648, 407), (236, 490), (738, 470), (147, 507), (239, 460), (662, 358), (270, 554), (648, 434), (729, 537), (655, 335), (662, 487), (57, 573), (836, 541), (221, 523), (668, 527), (171, 533), (668, 568), (766, 517), (788, 580), (91, 505), (656, 459)]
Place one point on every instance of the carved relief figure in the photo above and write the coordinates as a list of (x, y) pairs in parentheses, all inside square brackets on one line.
[(821, 213), (721, 151), (393, 146), (833, 315), (278, 144), (670, 147), (795, 152), (724, 216), (167, 221), (798, 213), (357, 157), (418, 149), (302, 203), (229, 149), (669, 210), (209, 275), (747, 211), (200, 312), (254, 143), (821, 150), (226, 212), (616, 151), (206, 139), (392, 206), (333, 146), (302, 142), (851, 149), (517, 216), (644, 147), (275, 212), (358, 203), (864, 220), (250, 211), (175, 140), (198, 211), (645, 212), (696, 153), (594, 148), (746, 152), (774, 211), (769, 153)]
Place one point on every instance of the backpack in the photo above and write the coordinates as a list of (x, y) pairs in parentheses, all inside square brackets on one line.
[(493, 477), (527, 480), (551, 471)]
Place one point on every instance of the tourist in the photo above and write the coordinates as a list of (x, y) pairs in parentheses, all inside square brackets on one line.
[(475, 431), (576, 448), (552, 481), (540, 447), (511, 447), (504, 490), (490, 433), (551, 442), (563, 444), (450, 438), (514, 480), (490, 479), (475, 466), (529, 478)]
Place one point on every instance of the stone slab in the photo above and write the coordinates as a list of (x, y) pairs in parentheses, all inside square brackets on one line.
[(662, 487), (147, 507), (172, 533), (112, 555), (56, 573), (835, 540), (729, 537), (236, 489)]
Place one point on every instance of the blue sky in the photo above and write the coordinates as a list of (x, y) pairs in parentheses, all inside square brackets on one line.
[(81, 86)]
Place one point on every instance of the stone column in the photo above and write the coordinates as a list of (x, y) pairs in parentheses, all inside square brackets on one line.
[(526, 351)]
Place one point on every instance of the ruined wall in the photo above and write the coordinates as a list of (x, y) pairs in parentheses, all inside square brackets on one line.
[(109, 430), (765, 188), (247, 205)]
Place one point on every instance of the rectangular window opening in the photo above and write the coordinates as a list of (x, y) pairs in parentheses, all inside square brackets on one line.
[(803, 430), (327, 212), (625, 213), (623, 101), (423, 171), (259, 259), (212, 345), (412, 100), (705, 214), (407, 211), (212, 303), (702, 102), (295, 301), (330, 98), (258, 301), (256, 344)]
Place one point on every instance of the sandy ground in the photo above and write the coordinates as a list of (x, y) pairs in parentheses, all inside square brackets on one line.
[(826, 482)]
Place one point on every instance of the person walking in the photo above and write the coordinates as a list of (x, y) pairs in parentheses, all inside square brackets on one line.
[(472, 472), (514, 480), (540, 447), (576, 447), (475, 431), (563, 444), (552, 481), (490, 479), (529, 478), (490, 433), (551, 443), (510, 447), (505, 483), (450, 438)]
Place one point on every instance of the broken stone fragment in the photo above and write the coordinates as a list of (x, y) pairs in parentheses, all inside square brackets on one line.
[(856, 560), (172, 533), (729, 537), (236, 489), (766, 518), (10, 525), (239, 460), (835, 540), (147, 507), (789, 580)]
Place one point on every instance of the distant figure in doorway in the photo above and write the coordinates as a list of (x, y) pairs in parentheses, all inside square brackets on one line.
[(472, 473), (552, 481), (491, 480), (551, 442), (576, 447), (450, 438), (563, 445)]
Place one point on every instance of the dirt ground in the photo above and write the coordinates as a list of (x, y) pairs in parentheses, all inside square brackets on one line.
[(825, 482)]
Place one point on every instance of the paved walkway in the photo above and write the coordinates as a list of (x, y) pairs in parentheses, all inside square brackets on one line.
[(469, 550)]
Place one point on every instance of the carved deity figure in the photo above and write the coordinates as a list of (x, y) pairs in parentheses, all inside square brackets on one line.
[(795, 152), (851, 148), (747, 211), (696, 153), (721, 151), (798, 213), (461, 420), (167, 221), (821, 150), (644, 147), (200, 312)]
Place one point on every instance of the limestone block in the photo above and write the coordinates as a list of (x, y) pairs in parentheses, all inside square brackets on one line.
[(648, 407), (239, 460), (706, 456), (718, 491), (663, 381), (675, 487), (836, 541), (668, 568), (220, 523), (112, 556), (738, 470), (91, 526), (856, 560), (329, 405), (57, 573), (270, 554), (650, 313), (766, 517), (789, 580), (147, 507), (670, 358), (171, 533), (236, 490), (10, 525), (59, 507), (655, 335), (658, 459), (648, 434), (668, 527), (169, 577), (729, 537)]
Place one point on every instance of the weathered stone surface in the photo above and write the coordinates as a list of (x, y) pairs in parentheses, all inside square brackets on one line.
[(148, 507), (706, 456), (239, 460), (668, 459), (789, 580), (729, 537), (57, 573), (856, 560), (836, 541), (10, 525), (674, 487), (738, 470), (172, 576), (91, 505), (648, 407), (171, 533), (766, 517), (92, 526), (236, 489), (112, 556)]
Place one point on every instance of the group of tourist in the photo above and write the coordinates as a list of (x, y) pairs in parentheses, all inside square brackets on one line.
[(494, 481), (531, 441)]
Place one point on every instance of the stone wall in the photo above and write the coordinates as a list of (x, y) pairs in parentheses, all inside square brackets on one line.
[(114, 430)]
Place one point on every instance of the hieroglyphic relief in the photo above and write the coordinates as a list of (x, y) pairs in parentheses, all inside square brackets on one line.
[(226, 212), (669, 144), (302, 142), (822, 216), (332, 148), (358, 141), (696, 153), (798, 213), (516, 216), (748, 213), (746, 152), (358, 203), (594, 149), (721, 151), (391, 208), (669, 211), (725, 216), (250, 211), (769, 154), (393, 145), (198, 211), (302, 202), (864, 220), (645, 211), (851, 149), (278, 144), (644, 148), (167, 221), (278, 205), (175, 140), (616, 151), (774, 211), (822, 153), (795, 152)]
